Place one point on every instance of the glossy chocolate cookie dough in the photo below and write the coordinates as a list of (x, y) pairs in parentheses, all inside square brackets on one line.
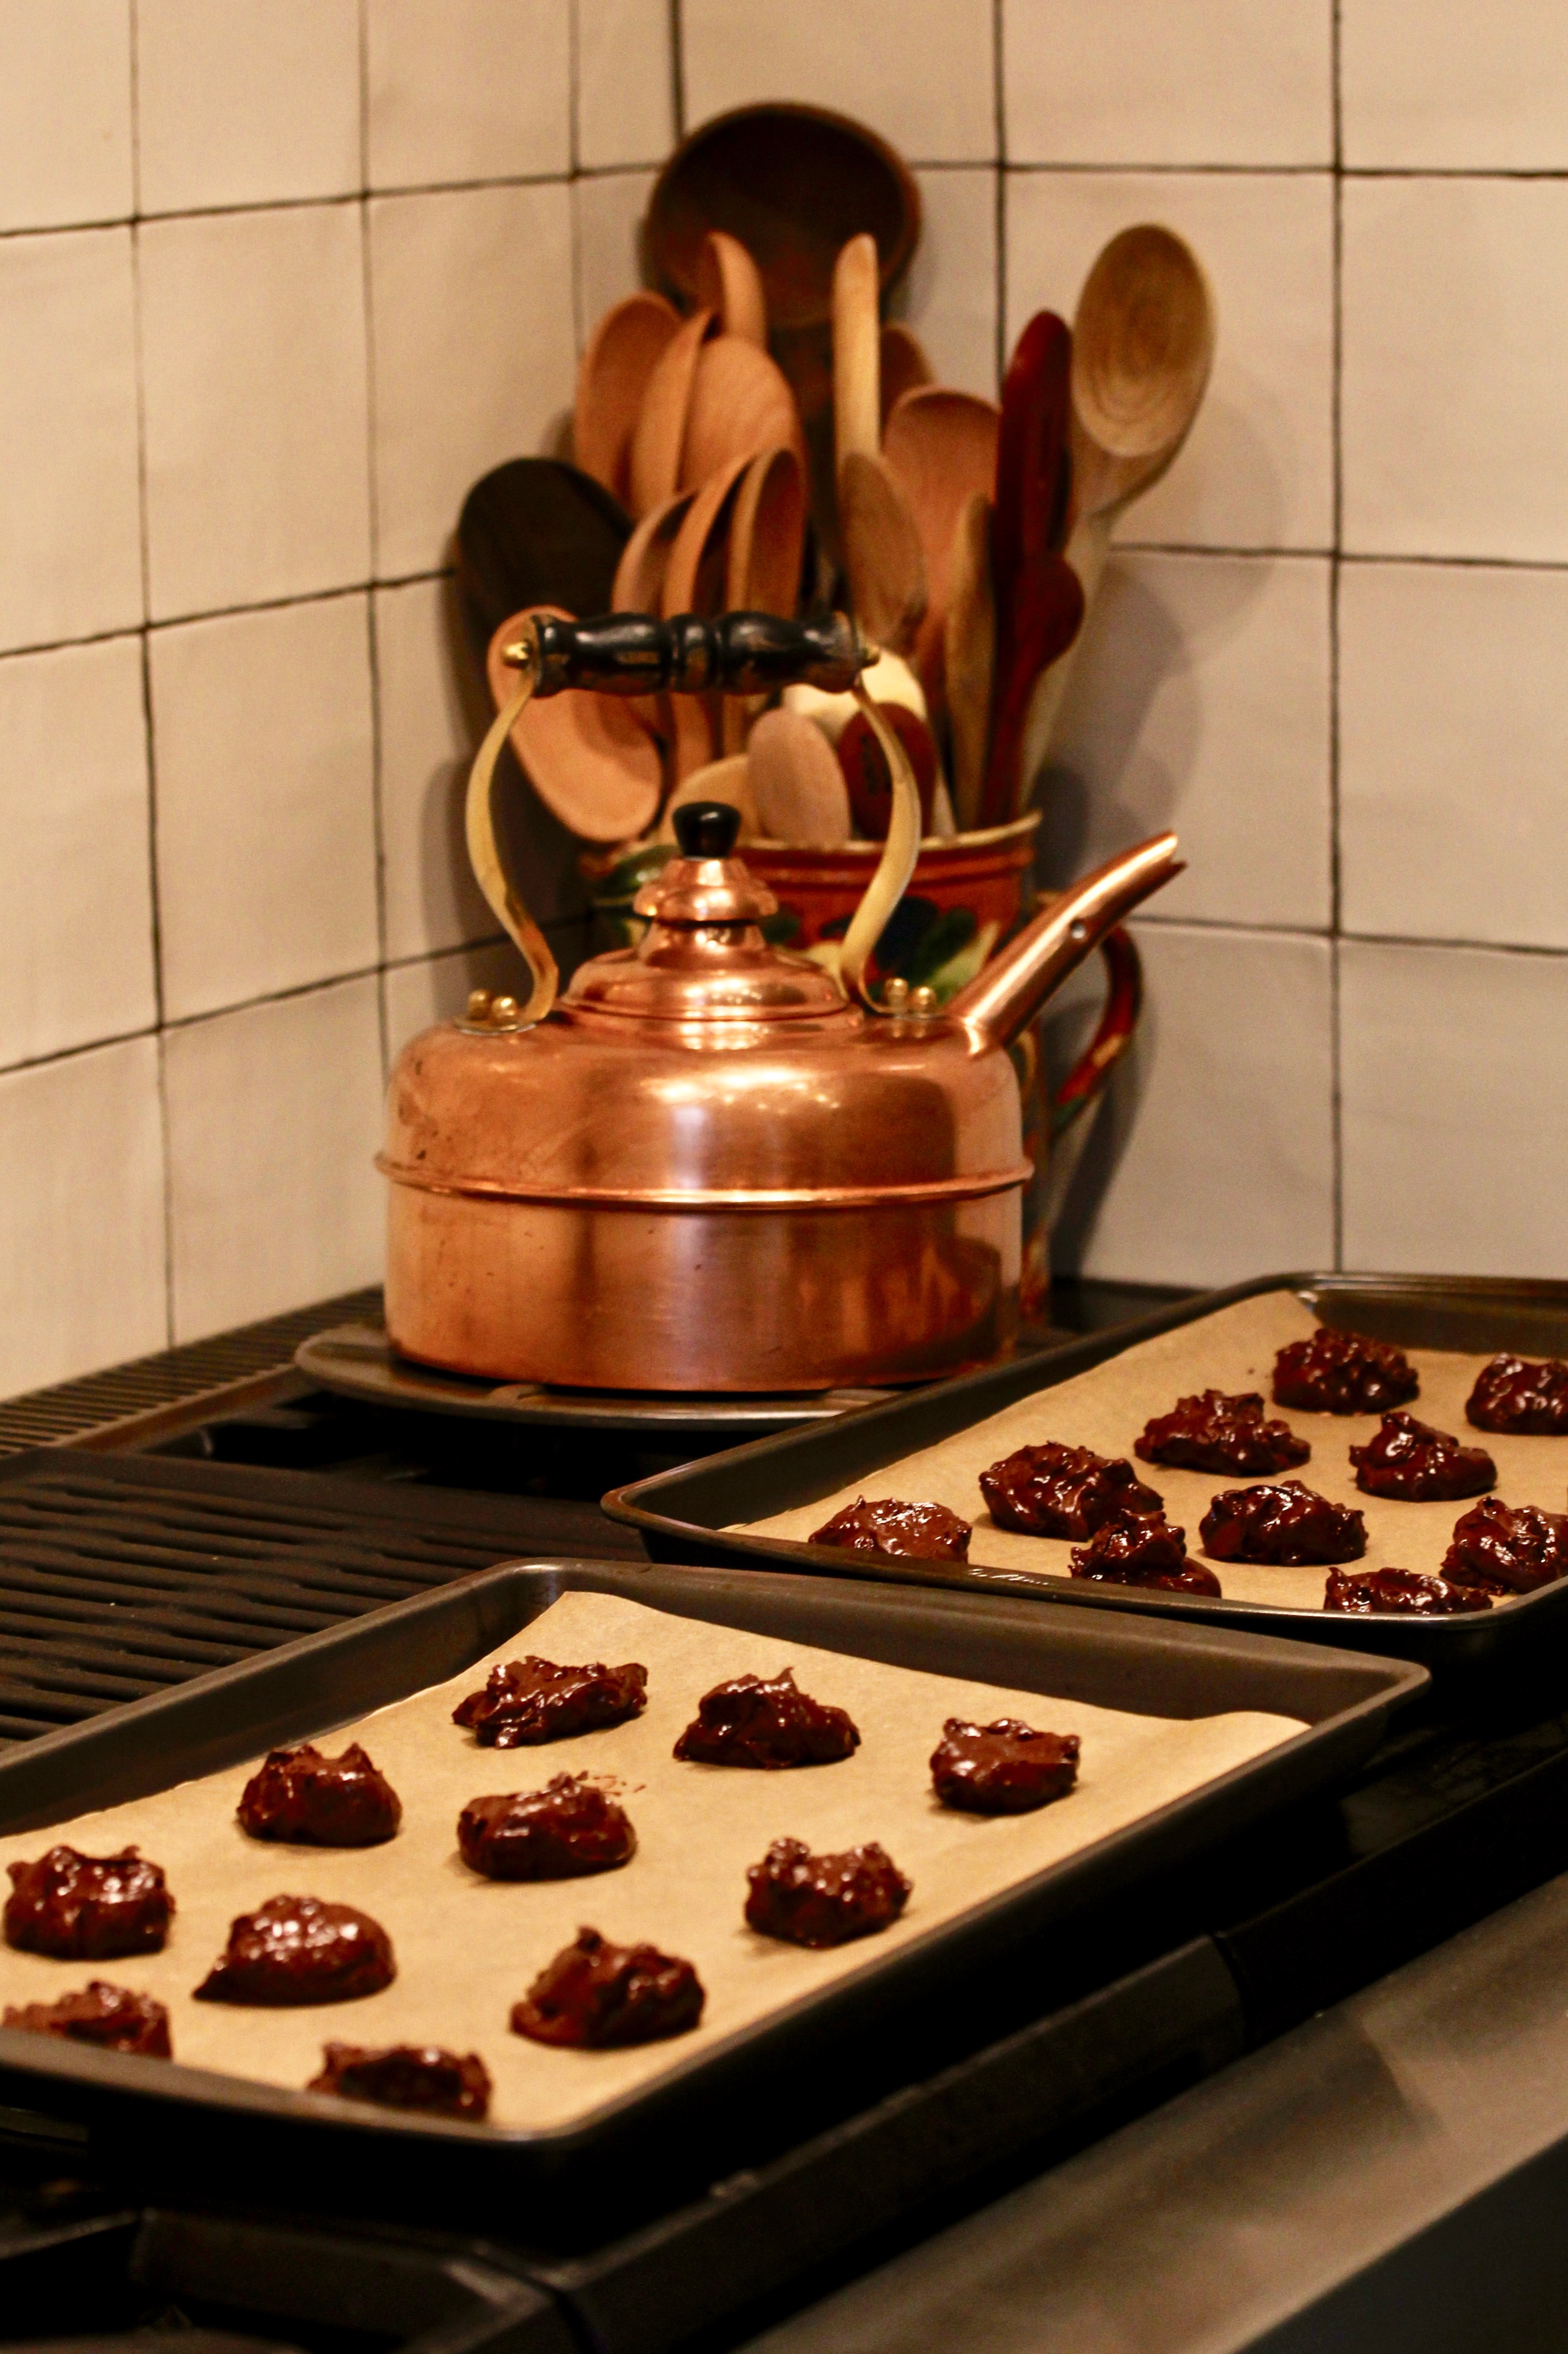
[(107, 2016), (824, 1899), (1342, 1373), (1142, 1549), (767, 1721), (898, 1532), (316, 1801), (1411, 1462), (570, 1828), (1525, 1397), (1363, 1593), (1221, 1431), (1053, 1491), (1281, 1522), (599, 1997), (1508, 1548), (87, 1908), (407, 2076), (1002, 1768), (295, 1950), (533, 1699)]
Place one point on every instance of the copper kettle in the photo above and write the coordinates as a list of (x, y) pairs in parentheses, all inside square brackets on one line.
[(710, 1165)]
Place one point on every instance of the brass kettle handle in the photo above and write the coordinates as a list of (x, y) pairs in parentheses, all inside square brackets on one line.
[(738, 653)]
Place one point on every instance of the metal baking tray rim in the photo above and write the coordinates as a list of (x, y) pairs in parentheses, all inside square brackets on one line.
[(1340, 1739), (1443, 1643)]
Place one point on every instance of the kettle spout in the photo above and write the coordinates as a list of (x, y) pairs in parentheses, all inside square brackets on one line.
[(1015, 984)]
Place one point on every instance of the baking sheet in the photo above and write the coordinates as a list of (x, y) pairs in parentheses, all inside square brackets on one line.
[(1232, 1350), (468, 1947)]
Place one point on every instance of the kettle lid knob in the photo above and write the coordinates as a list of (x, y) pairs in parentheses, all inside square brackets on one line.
[(706, 829)]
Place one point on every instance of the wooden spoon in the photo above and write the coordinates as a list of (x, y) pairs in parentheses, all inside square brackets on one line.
[(881, 552), (729, 282), (904, 367), (1143, 344), (695, 583), (721, 780), (762, 572), (1032, 469), (622, 352), (654, 467), (588, 756), (740, 402), (940, 448), (1045, 618), (970, 655), (869, 778), (644, 560), (798, 785)]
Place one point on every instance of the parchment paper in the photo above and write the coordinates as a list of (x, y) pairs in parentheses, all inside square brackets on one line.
[(1233, 1350), (468, 1947)]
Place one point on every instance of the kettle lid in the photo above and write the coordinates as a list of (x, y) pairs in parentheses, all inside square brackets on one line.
[(704, 957)]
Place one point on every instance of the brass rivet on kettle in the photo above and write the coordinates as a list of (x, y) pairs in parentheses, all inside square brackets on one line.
[(478, 1004), (895, 996), (502, 1012), (922, 1002)]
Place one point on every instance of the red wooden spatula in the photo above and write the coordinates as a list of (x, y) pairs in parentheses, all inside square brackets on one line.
[(1039, 597)]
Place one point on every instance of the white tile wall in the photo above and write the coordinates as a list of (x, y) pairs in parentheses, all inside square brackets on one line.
[(1137, 81), (251, 102), (1454, 1075), (65, 112), (1258, 470), (274, 1119), (76, 899), (81, 1213), (280, 278), (266, 830), (70, 553), (468, 89), (1201, 700), (475, 351), (257, 425)]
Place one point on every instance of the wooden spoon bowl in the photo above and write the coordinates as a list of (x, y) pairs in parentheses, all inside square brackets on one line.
[(588, 756), (1143, 342), (623, 351), (740, 402)]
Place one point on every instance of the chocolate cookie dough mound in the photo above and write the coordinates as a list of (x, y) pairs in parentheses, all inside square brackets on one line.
[(1410, 1460), (407, 2076), (767, 1721), (1142, 1549), (824, 1899), (1508, 1548), (1363, 1592), (601, 1997), (87, 1908), (1342, 1373), (108, 2017), (1523, 1396), (533, 1699), (1283, 1522), (899, 1531), (1002, 1768), (1221, 1431), (570, 1828), (295, 1950), (1053, 1491), (316, 1801)]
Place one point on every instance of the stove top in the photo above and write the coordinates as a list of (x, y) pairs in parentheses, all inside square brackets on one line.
[(238, 1517)]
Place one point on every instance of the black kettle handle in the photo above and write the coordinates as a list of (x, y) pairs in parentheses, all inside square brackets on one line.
[(735, 653)]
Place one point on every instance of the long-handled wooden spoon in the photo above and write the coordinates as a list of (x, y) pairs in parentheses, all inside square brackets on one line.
[(644, 560), (622, 352), (1143, 344), (762, 571), (799, 787), (588, 756), (940, 448), (882, 553), (654, 464), (729, 282), (695, 583), (740, 402), (904, 367)]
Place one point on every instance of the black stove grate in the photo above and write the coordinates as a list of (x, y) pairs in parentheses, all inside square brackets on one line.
[(123, 1576), (126, 1401)]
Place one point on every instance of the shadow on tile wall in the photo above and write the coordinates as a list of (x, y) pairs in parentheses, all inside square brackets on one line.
[(278, 278)]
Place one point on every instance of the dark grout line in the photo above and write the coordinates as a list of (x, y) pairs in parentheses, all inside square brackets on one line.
[(999, 96), (1336, 435), (678, 67)]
